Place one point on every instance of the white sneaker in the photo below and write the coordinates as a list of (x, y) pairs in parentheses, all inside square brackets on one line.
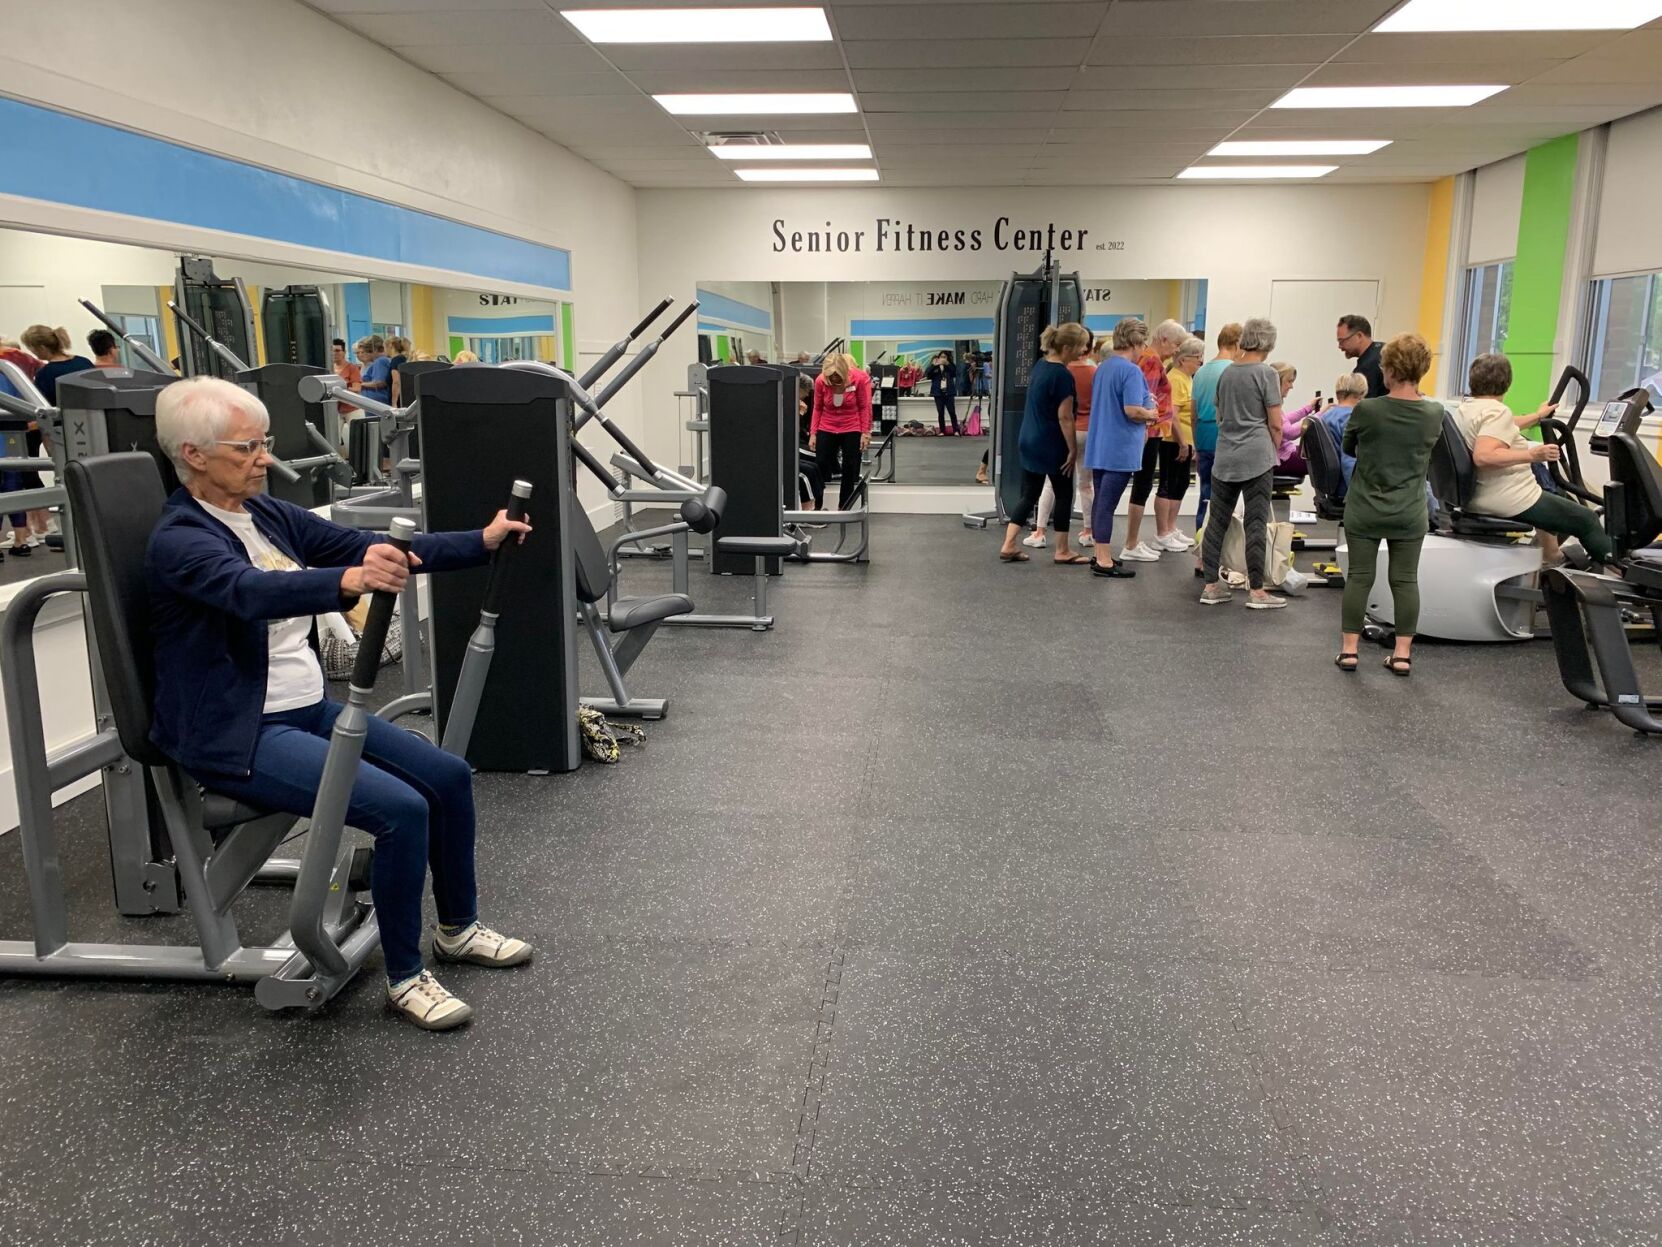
[(1142, 552), (423, 1002), (480, 946), (1037, 541), (1175, 541), (1086, 540)]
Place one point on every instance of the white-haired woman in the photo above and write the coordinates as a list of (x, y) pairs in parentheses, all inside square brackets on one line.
[(1167, 451), (235, 578), (1249, 440)]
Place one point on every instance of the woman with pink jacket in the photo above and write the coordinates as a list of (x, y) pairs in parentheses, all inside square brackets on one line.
[(841, 424)]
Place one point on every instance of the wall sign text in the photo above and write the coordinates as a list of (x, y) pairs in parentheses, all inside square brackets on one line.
[(889, 235)]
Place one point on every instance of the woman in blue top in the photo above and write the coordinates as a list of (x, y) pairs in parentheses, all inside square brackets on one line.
[(377, 375), (1048, 444), (1351, 389), (1121, 410)]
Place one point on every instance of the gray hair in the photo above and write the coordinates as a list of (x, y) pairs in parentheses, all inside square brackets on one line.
[(1189, 347), (1129, 334), (1258, 336), (197, 413), (1170, 333), (1351, 383), (374, 343)]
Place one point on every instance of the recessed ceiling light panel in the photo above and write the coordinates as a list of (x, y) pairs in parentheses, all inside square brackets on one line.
[(768, 173), (1245, 172), (791, 151), (757, 104), (1459, 96), (1300, 147), (700, 25), (1444, 16)]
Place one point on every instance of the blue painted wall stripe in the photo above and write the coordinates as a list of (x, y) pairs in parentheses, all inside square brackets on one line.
[(1105, 322), (960, 327), (734, 312), (48, 155), (501, 324)]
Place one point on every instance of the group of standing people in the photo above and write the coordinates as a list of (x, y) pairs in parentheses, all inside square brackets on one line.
[(45, 355), (1104, 416)]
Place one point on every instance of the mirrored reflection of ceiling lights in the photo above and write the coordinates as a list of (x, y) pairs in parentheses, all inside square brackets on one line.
[(768, 173), (1255, 172), (1444, 16), (1387, 97), (1300, 147), (791, 151), (757, 104), (700, 25)]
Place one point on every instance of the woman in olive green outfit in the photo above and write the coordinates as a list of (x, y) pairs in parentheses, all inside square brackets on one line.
[(1392, 438)]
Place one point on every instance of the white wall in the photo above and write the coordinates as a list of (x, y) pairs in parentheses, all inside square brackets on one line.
[(41, 276), (1240, 238), (1497, 202), (276, 99)]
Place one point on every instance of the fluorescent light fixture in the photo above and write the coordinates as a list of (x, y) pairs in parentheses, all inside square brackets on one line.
[(1300, 147), (700, 25), (771, 104), (1386, 97), (1221, 172), (1442, 16), (820, 174), (792, 151)]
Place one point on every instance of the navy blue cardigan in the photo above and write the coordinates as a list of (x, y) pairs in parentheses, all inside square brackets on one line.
[(209, 608)]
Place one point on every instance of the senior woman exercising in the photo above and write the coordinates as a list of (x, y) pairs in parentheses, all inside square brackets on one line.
[(235, 578)]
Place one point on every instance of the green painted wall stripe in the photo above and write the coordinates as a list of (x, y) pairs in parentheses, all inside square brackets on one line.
[(568, 337), (1538, 272), (857, 349)]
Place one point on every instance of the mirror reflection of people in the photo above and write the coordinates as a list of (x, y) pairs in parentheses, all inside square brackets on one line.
[(943, 388), (754, 357), (1049, 444), (398, 354), (810, 481), (52, 348), (376, 381), (105, 348), (840, 427), (235, 578)]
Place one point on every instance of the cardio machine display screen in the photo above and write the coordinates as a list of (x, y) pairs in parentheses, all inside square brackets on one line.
[(1610, 419)]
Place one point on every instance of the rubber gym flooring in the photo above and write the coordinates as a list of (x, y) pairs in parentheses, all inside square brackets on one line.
[(975, 904)]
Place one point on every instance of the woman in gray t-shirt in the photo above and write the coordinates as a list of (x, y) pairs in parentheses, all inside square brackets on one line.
[(1249, 433)]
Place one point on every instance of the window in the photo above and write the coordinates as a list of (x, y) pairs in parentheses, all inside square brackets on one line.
[(147, 329), (500, 350), (1488, 304), (1626, 346)]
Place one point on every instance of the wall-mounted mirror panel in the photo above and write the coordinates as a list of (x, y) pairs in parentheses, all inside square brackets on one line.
[(930, 344)]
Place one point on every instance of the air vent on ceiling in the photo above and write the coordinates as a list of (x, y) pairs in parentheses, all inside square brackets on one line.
[(741, 138)]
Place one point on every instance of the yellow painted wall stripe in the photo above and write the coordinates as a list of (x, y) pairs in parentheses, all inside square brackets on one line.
[(1434, 279)]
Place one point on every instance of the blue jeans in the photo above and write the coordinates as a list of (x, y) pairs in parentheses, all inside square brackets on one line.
[(415, 799), (1203, 469), (9, 483)]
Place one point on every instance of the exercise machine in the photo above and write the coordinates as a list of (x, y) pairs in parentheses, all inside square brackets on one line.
[(1027, 305), (854, 516), (222, 305), (294, 321), (1589, 612)]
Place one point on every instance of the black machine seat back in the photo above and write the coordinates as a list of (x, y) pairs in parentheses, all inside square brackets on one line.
[(116, 501), (1453, 473), (1327, 472), (1634, 469), (593, 573)]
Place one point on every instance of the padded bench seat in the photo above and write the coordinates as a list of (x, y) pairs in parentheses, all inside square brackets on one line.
[(221, 813), (627, 613), (762, 547)]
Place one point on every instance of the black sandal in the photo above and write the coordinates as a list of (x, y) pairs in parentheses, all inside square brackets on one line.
[(1403, 667), (1347, 663)]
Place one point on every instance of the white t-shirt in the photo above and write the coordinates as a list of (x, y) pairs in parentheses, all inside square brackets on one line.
[(293, 676), (1506, 491)]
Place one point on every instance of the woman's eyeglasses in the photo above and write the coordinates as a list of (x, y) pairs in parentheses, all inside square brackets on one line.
[(252, 446)]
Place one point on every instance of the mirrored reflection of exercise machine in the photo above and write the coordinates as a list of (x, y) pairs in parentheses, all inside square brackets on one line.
[(220, 306)]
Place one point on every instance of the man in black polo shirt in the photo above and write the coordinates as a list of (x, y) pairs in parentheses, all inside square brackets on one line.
[(1356, 341)]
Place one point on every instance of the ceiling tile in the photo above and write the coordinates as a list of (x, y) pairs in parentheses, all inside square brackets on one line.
[(1473, 49), (688, 58), (926, 78), (1196, 100), (1219, 50), (472, 58), (962, 53), (677, 81), (1035, 20), (520, 84), (1399, 72), (1176, 77), (462, 25), (1183, 18), (873, 102)]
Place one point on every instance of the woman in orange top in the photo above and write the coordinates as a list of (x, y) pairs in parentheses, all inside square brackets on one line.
[(1084, 373)]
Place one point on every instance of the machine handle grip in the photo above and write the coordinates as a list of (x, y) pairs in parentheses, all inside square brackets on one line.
[(518, 497), (374, 638), (649, 318), (282, 470), (1584, 391)]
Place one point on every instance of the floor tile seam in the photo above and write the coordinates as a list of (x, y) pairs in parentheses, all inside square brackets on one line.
[(1004, 1185), (814, 1095)]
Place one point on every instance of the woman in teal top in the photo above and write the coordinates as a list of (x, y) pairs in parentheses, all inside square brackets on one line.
[(1392, 438)]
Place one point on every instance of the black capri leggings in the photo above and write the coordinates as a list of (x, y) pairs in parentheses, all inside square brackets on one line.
[(1174, 473), (828, 446), (810, 484), (946, 405), (1032, 486)]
